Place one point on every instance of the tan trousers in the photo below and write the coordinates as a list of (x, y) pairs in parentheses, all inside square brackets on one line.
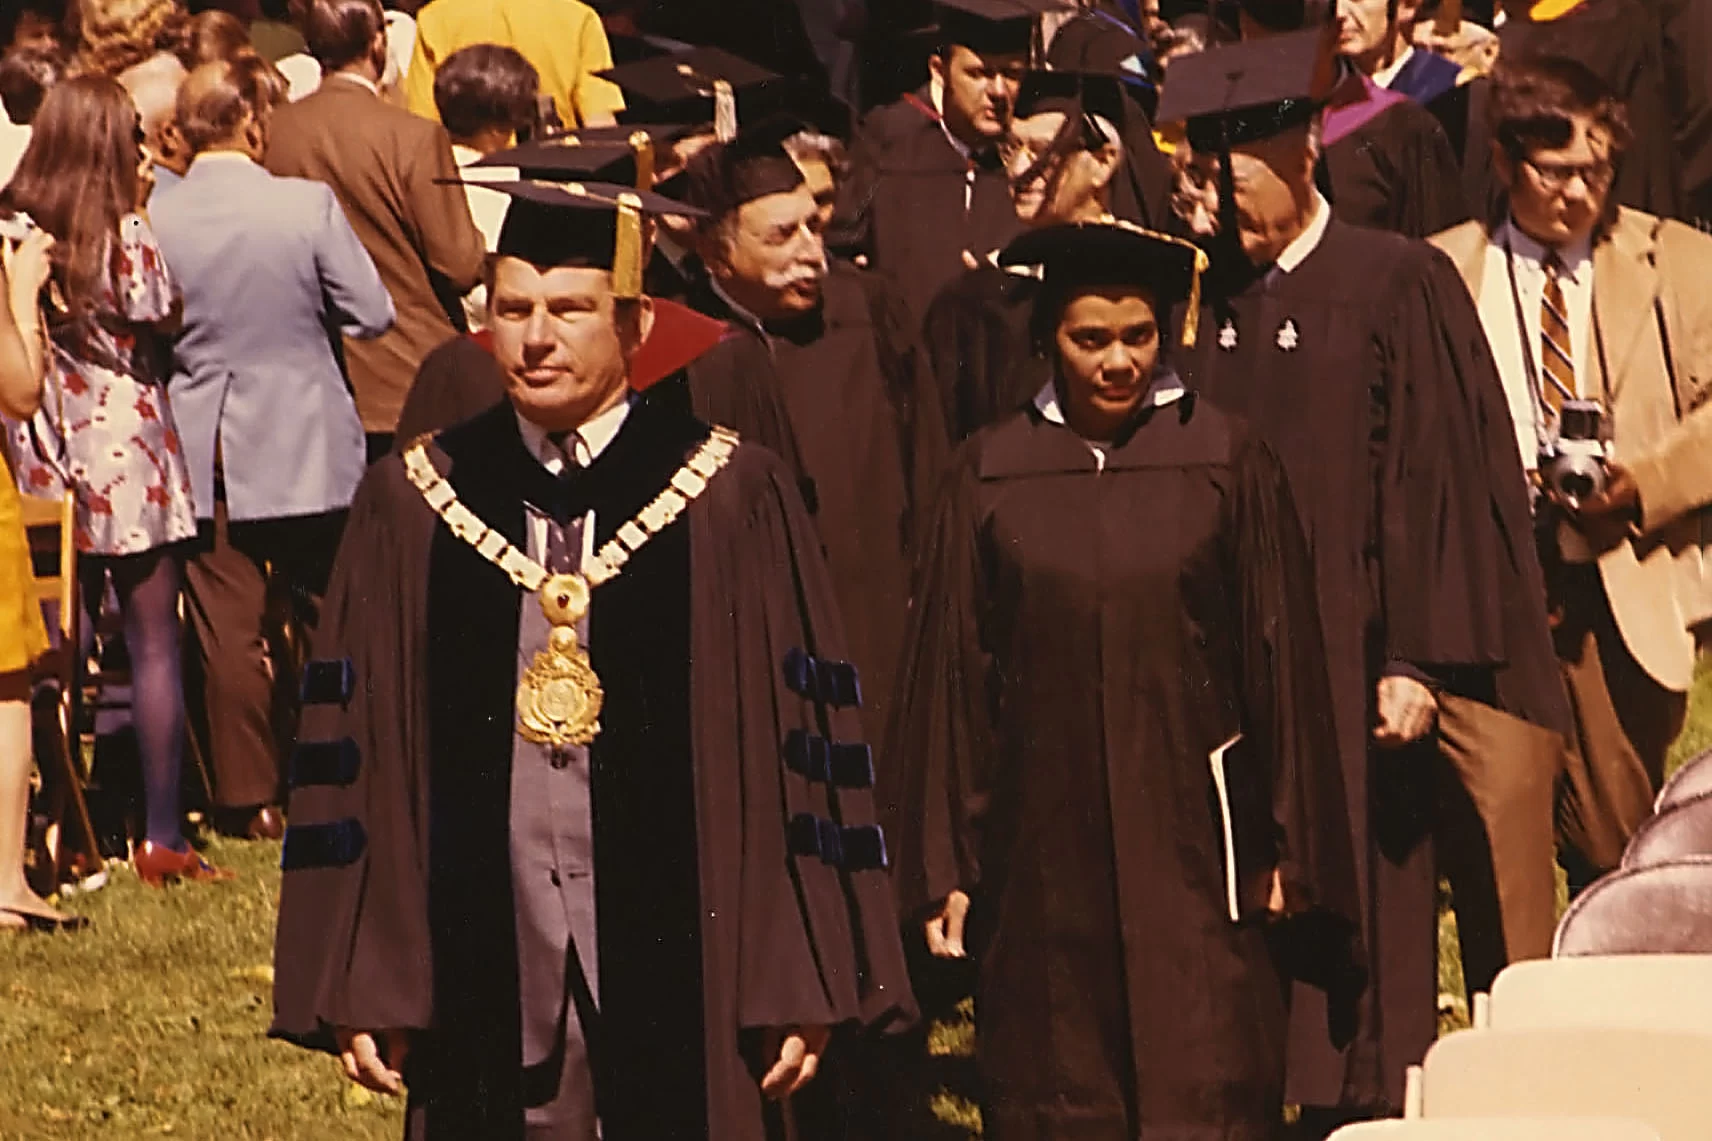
[(1495, 834), (1625, 723)]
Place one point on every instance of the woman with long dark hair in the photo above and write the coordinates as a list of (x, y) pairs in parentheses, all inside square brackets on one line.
[(83, 180)]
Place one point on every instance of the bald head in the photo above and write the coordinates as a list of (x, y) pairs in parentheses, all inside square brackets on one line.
[(153, 87)]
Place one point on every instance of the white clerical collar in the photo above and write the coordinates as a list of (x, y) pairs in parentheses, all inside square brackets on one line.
[(359, 80), (1572, 257), (1309, 239), (585, 444), (936, 95), (1385, 76)]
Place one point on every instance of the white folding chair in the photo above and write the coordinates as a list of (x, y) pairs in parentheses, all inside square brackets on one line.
[(1655, 1076), (1640, 992), (1500, 1129)]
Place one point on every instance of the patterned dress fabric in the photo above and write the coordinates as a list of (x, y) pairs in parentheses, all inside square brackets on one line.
[(107, 394)]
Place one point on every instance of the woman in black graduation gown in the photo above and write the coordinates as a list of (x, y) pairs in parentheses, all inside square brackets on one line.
[(1115, 588)]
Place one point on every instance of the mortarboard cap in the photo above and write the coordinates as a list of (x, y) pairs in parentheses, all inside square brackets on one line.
[(992, 27), (695, 86), (1073, 93), (568, 157), (1114, 252), (592, 225), (755, 164), (1251, 90)]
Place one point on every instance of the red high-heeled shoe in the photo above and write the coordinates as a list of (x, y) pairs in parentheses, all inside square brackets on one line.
[(157, 865)]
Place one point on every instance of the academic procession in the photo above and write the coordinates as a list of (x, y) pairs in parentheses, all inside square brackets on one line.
[(852, 570)]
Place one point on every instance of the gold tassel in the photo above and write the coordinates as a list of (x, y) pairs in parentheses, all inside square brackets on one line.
[(627, 256), (642, 146), (1192, 314), (724, 111)]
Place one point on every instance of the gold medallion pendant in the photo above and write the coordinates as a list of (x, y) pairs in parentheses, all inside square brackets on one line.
[(559, 696)]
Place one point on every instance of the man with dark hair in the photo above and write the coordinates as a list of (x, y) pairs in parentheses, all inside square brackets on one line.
[(393, 173), (927, 195), (597, 857), (1585, 300), (1620, 42), (1359, 356), (823, 366)]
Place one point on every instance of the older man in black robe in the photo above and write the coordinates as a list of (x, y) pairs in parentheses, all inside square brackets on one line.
[(1360, 357), (597, 857), (823, 365)]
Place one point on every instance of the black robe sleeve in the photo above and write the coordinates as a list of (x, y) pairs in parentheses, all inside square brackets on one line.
[(942, 731), (1460, 584), (810, 940), (352, 944), (1284, 688)]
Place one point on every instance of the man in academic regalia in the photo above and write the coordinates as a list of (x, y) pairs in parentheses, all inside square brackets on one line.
[(1386, 162), (1099, 42), (1374, 36), (927, 191), (595, 857), (1118, 768), (823, 366), (1362, 360), (1063, 153)]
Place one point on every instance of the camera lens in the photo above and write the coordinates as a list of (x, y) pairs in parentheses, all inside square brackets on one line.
[(1576, 485)]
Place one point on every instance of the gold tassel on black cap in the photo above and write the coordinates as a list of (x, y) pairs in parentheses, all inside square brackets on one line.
[(627, 255), (724, 111), (642, 147), (1192, 313)]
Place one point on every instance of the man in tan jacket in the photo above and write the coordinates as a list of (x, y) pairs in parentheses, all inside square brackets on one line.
[(1584, 300), (386, 166)]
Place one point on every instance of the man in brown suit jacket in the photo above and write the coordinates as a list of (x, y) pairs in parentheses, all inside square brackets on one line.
[(384, 164), (1605, 304)]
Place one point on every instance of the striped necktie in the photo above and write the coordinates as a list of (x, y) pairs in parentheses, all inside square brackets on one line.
[(1556, 355)]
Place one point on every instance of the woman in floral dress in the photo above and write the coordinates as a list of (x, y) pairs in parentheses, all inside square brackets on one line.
[(84, 179)]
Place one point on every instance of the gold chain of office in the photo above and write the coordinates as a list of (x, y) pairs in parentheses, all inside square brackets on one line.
[(559, 696)]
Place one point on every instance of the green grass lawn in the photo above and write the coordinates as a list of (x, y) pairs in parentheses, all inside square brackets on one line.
[(150, 1023)]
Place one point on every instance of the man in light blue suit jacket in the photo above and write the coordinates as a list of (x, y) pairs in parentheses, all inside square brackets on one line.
[(273, 277)]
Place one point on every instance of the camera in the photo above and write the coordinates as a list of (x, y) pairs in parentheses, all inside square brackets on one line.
[(1574, 457)]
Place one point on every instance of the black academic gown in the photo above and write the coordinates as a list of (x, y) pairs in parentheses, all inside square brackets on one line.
[(1396, 172), (1687, 33), (1083, 640), (715, 918), (914, 205), (1368, 370), (977, 340), (1620, 42), (845, 395)]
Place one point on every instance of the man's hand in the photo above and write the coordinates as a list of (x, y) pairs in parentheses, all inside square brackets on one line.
[(378, 1066), (945, 930), (798, 1050), (1606, 518), (1406, 711), (1275, 906)]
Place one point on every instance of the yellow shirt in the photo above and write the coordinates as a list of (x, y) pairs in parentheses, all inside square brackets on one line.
[(563, 39)]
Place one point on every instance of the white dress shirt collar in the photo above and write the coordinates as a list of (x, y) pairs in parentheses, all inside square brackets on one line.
[(1386, 76), (1309, 239), (1166, 388), (936, 95), (584, 445), (1575, 258)]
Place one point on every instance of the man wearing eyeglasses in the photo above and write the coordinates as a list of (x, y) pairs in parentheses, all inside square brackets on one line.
[(1599, 314)]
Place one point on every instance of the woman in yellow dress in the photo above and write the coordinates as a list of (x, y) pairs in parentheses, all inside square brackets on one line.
[(23, 272)]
